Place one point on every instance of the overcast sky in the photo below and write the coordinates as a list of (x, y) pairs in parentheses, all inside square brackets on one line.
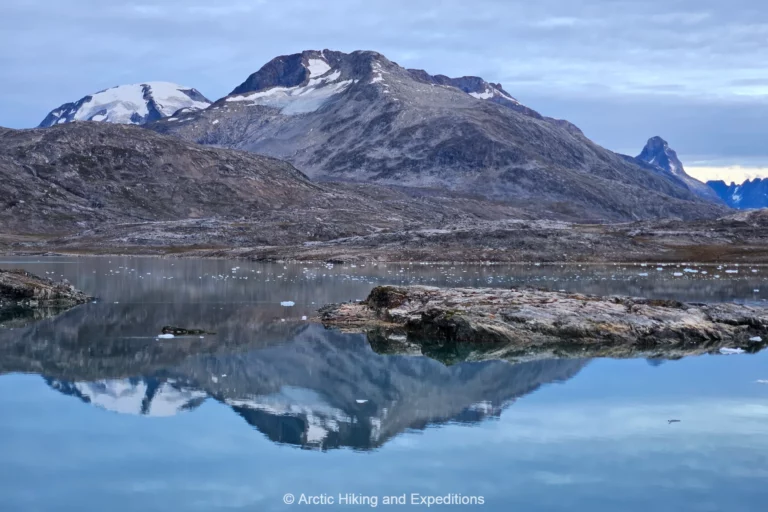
[(692, 71)]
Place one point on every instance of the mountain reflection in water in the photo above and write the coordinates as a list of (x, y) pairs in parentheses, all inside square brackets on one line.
[(321, 390)]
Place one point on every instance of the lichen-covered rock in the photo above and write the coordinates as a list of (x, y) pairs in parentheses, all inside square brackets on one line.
[(520, 322)]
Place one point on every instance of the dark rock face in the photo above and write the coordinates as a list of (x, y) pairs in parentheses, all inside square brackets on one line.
[(657, 153), (531, 323), (360, 117), (749, 195)]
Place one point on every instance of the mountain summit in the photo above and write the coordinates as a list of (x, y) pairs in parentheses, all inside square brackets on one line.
[(361, 117), (658, 153), (129, 104)]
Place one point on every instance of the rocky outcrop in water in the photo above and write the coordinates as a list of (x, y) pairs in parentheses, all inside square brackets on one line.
[(27, 298), (22, 288), (520, 323)]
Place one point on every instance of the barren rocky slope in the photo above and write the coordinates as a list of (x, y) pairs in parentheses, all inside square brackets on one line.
[(75, 177)]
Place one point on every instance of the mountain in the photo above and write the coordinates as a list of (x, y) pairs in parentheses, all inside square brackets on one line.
[(658, 153), (77, 174), (750, 194), (360, 117), (102, 178), (129, 104)]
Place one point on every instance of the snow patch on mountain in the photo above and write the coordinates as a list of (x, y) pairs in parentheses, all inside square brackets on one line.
[(317, 67), (491, 92), (377, 73), (301, 99)]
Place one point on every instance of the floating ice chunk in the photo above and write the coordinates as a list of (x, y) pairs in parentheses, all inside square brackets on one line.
[(756, 338), (762, 381), (214, 379), (288, 303), (166, 336), (691, 270), (361, 401), (731, 271), (731, 351), (304, 317), (643, 274), (677, 274), (659, 269)]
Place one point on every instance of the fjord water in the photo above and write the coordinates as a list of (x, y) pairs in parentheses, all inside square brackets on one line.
[(97, 413)]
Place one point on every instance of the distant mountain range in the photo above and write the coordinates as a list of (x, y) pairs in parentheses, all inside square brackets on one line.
[(748, 195), (129, 104), (359, 117)]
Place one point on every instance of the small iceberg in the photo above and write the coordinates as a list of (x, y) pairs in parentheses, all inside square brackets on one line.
[(731, 351), (165, 336), (361, 401), (288, 303), (756, 338)]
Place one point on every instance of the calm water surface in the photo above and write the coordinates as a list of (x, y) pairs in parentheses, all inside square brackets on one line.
[(97, 414)]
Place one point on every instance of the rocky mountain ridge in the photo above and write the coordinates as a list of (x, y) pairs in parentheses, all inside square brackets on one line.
[(751, 194)]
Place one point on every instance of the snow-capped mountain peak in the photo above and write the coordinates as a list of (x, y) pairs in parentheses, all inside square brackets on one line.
[(129, 104)]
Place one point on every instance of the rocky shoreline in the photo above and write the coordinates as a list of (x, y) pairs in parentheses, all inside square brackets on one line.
[(520, 324)]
